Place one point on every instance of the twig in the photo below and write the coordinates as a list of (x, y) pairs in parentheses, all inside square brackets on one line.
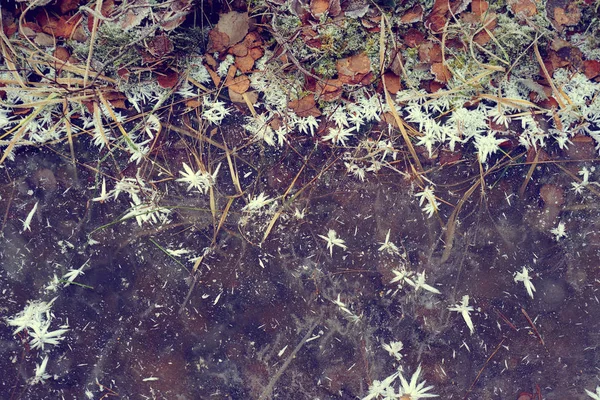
[(267, 391), (533, 327), (482, 368)]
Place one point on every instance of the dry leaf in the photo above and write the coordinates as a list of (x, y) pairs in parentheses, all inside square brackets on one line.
[(305, 106), (567, 17), (239, 50), (591, 68), (67, 5), (160, 46), (244, 64), (415, 14), (239, 84), (217, 41), (392, 82), (441, 72), (318, 7), (167, 79), (479, 7), (235, 25)]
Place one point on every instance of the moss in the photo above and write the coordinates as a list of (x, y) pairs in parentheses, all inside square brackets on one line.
[(111, 42)]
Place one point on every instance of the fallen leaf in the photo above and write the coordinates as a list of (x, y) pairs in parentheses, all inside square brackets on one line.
[(135, 14), (567, 17), (256, 53), (62, 53), (44, 40), (239, 50), (304, 107), (430, 52), (244, 64), (251, 95), (160, 46), (318, 7), (591, 68), (217, 41), (441, 72), (479, 7), (413, 37), (67, 5), (353, 66), (392, 82), (239, 84), (415, 14), (167, 79), (329, 90), (235, 25)]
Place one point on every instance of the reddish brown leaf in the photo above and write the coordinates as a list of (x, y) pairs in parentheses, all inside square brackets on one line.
[(67, 5), (217, 41), (415, 14), (567, 17), (591, 68), (167, 79), (392, 82), (479, 7), (413, 37)]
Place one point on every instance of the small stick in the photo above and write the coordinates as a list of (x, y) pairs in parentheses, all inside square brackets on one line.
[(482, 368), (533, 326)]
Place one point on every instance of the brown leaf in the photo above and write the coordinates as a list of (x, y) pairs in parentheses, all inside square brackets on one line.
[(430, 52), (413, 37), (160, 46), (330, 90), (415, 14), (392, 82), (217, 41), (235, 25), (318, 7), (356, 64), (167, 79), (441, 72), (256, 53), (567, 17), (239, 98), (523, 8), (591, 68), (62, 53), (239, 84), (244, 64), (305, 106), (239, 50), (67, 5), (479, 7), (252, 39)]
